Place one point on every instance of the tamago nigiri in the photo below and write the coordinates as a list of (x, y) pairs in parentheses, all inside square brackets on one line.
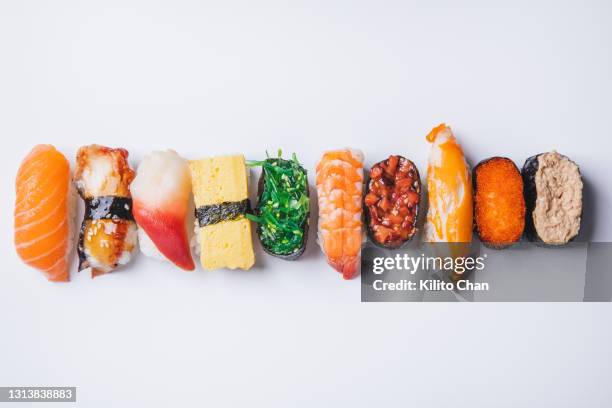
[(449, 217), (221, 197), (162, 207), (44, 206)]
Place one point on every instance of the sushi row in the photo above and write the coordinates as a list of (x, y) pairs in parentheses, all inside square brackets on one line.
[(167, 207), (500, 202), (170, 207)]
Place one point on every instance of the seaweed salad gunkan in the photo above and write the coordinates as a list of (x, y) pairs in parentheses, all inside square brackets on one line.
[(283, 207)]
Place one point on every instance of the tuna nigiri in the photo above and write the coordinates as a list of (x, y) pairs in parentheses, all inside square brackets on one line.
[(339, 180), (161, 192), (108, 233), (44, 205), (449, 218)]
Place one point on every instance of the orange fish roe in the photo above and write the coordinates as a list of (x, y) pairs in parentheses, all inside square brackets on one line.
[(499, 206)]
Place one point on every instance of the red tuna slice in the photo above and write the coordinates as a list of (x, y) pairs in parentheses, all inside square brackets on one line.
[(168, 233)]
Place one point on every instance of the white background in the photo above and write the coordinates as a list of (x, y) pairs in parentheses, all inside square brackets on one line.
[(208, 78)]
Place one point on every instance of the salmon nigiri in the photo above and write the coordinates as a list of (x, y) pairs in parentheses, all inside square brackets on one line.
[(449, 218), (163, 209), (339, 180), (44, 204)]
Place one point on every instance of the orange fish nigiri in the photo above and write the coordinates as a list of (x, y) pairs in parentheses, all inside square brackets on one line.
[(339, 180), (162, 208), (449, 217), (44, 204)]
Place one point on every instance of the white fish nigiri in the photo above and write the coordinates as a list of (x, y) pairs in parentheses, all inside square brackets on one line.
[(163, 208)]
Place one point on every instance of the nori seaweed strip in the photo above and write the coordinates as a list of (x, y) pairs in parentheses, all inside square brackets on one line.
[(102, 208), (226, 211), (530, 168), (108, 207), (83, 262)]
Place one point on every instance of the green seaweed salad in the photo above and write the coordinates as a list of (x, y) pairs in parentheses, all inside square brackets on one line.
[(283, 208)]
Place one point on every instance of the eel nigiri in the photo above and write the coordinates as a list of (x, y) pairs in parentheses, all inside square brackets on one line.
[(339, 180), (108, 232), (221, 195), (449, 218), (44, 205), (161, 192)]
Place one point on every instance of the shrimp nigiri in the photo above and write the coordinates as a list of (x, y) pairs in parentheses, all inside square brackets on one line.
[(449, 218), (162, 207), (44, 205), (339, 180)]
